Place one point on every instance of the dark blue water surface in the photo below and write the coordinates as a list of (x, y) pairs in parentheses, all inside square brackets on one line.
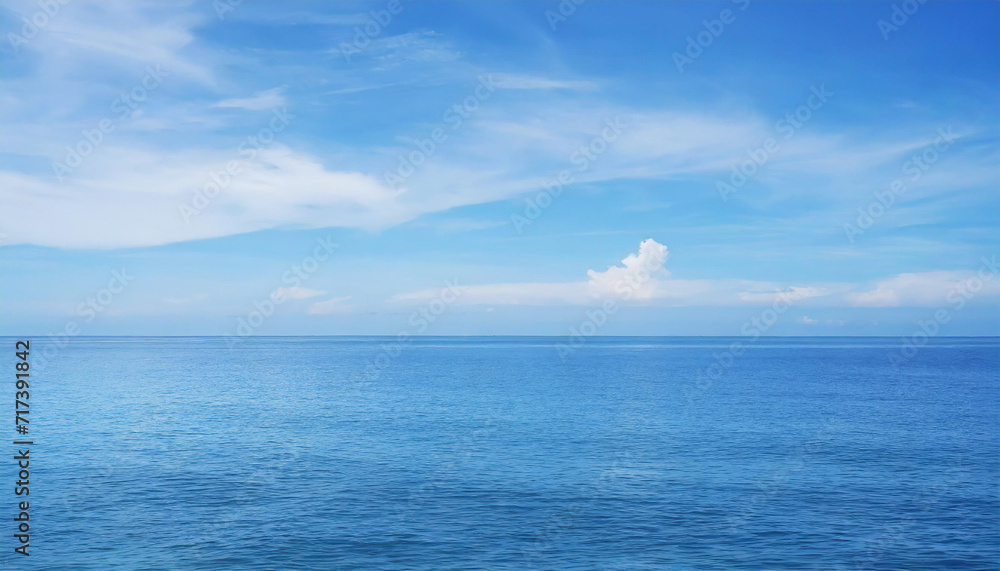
[(507, 453)]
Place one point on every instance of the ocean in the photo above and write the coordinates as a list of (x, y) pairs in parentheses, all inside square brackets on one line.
[(509, 453)]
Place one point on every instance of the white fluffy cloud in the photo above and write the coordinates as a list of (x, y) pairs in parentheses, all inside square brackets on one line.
[(642, 279), (638, 277)]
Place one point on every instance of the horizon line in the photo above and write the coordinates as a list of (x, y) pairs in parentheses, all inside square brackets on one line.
[(397, 335)]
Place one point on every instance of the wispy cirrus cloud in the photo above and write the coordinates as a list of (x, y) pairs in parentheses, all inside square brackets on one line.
[(262, 100), (514, 81), (123, 197), (131, 197), (127, 193), (185, 300), (297, 293), (927, 289), (333, 306)]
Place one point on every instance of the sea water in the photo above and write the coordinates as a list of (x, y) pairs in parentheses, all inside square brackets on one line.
[(510, 453)]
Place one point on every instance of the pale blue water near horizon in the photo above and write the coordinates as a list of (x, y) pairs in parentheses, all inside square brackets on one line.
[(495, 453)]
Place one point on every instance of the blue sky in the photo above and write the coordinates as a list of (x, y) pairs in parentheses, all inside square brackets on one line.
[(301, 168)]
